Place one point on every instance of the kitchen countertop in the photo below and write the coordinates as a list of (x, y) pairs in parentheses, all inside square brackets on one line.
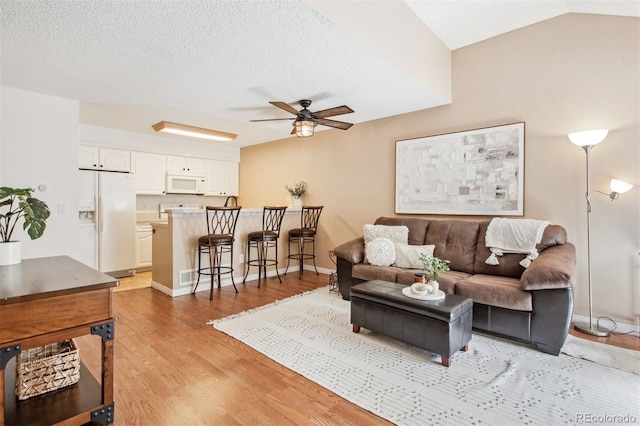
[(245, 211), (148, 216), (185, 213)]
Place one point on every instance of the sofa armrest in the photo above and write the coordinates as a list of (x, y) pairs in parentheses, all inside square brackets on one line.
[(353, 250), (555, 267)]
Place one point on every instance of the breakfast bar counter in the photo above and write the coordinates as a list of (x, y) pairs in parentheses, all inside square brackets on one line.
[(175, 248)]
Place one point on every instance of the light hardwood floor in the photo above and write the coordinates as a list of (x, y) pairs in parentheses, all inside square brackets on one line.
[(171, 368)]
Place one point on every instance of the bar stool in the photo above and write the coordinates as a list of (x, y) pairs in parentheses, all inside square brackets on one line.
[(306, 234), (263, 240), (221, 228)]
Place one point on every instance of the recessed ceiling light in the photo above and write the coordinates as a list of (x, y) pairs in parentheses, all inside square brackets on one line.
[(193, 131)]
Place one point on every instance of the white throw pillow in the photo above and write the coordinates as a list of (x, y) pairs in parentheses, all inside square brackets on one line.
[(408, 256), (381, 252), (397, 234)]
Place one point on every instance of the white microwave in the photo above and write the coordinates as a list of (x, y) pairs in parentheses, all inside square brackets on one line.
[(178, 183)]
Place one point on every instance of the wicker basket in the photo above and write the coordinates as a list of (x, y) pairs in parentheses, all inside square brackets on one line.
[(47, 368)]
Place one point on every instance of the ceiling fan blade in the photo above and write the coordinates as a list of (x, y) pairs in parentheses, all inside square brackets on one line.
[(333, 111), (334, 123), (273, 119), (285, 107)]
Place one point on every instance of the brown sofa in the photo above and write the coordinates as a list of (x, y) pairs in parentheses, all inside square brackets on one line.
[(532, 305)]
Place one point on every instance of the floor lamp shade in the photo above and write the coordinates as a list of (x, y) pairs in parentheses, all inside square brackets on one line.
[(619, 186), (588, 137)]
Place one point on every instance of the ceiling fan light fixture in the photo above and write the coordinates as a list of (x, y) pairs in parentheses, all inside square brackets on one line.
[(304, 128), (193, 131)]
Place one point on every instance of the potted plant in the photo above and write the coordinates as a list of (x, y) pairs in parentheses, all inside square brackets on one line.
[(434, 266), (16, 204), (297, 191)]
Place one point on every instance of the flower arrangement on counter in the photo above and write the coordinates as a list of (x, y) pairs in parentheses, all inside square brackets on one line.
[(298, 189)]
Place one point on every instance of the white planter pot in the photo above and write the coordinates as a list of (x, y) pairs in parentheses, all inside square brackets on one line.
[(10, 253)]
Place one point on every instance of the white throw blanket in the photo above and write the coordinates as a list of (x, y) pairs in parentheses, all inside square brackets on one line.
[(514, 236)]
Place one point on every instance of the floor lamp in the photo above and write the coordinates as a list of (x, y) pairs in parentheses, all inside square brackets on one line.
[(587, 139)]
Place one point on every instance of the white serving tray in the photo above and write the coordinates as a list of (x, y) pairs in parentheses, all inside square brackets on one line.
[(438, 296)]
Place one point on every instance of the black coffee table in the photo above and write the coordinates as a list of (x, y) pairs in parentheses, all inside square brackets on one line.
[(442, 326)]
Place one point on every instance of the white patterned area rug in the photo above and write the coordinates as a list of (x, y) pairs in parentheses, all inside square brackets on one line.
[(496, 382)]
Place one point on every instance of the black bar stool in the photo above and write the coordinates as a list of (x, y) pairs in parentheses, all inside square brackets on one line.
[(221, 228), (306, 234), (263, 240)]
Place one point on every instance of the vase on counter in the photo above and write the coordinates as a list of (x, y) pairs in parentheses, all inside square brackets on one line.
[(296, 202)]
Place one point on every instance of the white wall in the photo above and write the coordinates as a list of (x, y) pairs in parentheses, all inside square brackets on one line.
[(39, 145)]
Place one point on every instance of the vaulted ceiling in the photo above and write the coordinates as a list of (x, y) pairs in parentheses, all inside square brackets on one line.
[(217, 64)]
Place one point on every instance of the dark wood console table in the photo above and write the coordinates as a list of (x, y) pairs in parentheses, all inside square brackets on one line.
[(49, 300)]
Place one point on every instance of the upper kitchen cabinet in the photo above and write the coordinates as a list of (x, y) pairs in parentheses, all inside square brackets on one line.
[(107, 159), (187, 164), (222, 178), (150, 171)]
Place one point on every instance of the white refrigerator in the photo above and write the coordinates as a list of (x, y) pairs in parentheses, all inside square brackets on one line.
[(107, 215)]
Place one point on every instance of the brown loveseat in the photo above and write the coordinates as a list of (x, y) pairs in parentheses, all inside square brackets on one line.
[(533, 305)]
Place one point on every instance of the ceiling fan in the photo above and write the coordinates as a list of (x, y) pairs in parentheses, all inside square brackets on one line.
[(306, 120)]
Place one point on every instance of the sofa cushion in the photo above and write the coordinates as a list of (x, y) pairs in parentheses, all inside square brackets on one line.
[(417, 227), (380, 252), (408, 255), (455, 241), (495, 291), (367, 272), (447, 279), (397, 234)]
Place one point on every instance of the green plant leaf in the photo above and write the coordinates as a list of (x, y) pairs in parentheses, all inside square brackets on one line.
[(33, 211)]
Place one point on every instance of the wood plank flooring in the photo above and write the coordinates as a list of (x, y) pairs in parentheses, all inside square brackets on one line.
[(171, 368)]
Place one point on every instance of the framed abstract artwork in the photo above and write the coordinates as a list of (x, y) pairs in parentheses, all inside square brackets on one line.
[(472, 172)]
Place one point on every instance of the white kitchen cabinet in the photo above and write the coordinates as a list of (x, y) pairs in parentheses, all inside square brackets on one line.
[(229, 176), (186, 164), (150, 170), (107, 159), (222, 178), (144, 244)]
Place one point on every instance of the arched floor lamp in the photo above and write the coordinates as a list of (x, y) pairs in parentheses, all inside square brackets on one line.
[(587, 139)]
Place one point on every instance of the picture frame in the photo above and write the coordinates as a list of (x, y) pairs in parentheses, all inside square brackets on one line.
[(471, 172)]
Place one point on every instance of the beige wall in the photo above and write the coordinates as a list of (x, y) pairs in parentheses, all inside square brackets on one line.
[(574, 72)]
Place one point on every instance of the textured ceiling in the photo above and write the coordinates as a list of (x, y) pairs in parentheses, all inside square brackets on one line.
[(217, 64)]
